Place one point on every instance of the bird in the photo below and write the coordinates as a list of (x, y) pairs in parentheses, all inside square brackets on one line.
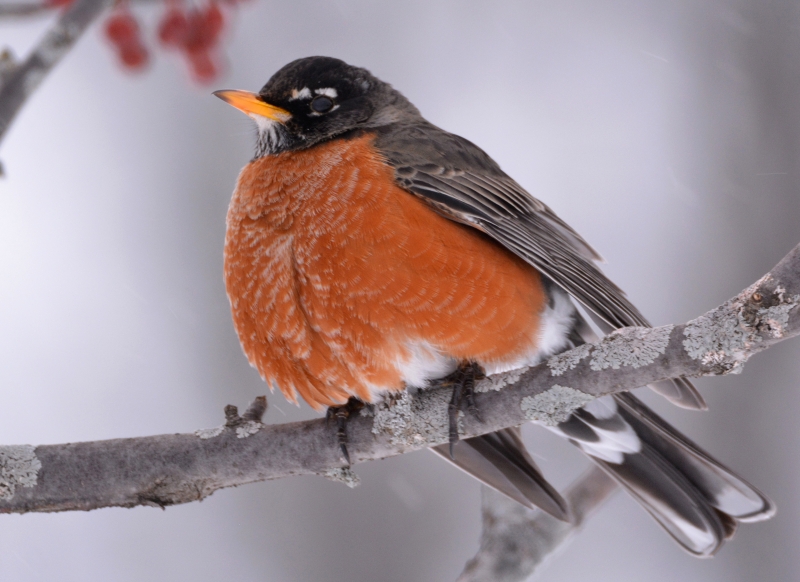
[(368, 252)]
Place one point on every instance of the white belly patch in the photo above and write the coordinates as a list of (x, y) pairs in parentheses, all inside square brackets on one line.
[(427, 363)]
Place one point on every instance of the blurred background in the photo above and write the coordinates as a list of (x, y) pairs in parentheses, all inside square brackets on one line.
[(667, 133)]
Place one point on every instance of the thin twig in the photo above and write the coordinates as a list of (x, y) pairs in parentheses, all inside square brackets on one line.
[(20, 83), (516, 541), (22, 9), (180, 468)]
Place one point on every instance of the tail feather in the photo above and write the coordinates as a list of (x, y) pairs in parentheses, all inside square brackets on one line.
[(681, 392), (697, 500), (501, 461), (724, 490), (671, 499)]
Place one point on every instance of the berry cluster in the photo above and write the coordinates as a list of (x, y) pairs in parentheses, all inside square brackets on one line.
[(123, 31), (194, 31)]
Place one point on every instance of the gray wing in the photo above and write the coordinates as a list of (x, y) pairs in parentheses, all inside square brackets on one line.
[(461, 182)]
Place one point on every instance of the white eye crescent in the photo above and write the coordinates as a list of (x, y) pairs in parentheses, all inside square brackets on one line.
[(304, 93), (328, 92)]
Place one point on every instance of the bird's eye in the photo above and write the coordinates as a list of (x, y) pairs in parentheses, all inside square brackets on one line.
[(321, 104)]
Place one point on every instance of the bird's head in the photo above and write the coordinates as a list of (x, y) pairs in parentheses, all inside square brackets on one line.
[(314, 99)]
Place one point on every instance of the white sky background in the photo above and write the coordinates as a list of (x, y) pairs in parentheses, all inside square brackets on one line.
[(664, 132)]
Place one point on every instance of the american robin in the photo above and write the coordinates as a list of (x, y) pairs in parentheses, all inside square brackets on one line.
[(367, 250)]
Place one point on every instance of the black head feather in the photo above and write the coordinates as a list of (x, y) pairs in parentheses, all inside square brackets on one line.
[(327, 97)]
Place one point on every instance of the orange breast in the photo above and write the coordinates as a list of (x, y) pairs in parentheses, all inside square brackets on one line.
[(335, 275)]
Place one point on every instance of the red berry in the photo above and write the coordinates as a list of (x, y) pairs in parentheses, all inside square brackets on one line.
[(121, 27), (214, 19), (123, 32), (58, 3), (203, 67), (134, 56), (197, 38), (191, 40), (173, 27), (203, 29), (195, 31)]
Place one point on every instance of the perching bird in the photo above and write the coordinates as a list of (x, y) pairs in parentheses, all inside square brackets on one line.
[(367, 251)]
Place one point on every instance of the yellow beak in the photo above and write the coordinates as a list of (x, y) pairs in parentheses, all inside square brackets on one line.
[(252, 104)]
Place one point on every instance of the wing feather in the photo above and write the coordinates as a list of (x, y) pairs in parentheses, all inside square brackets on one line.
[(461, 182)]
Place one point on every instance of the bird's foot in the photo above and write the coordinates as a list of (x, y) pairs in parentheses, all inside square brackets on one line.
[(463, 381), (342, 415)]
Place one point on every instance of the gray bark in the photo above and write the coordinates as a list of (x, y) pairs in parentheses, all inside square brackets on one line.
[(20, 9), (516, 541), (23, 80)]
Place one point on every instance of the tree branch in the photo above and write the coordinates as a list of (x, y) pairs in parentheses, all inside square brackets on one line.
[(23, 9), (20, 9), (168, 469), (20, 83), (516, 540)]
